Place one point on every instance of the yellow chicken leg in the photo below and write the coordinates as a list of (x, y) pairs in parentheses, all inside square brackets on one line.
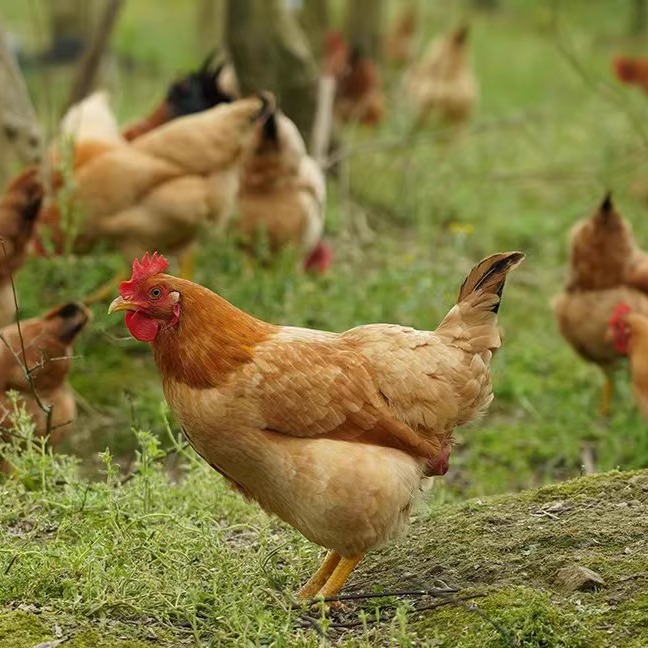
[(606, 397), (105, 291), (339, 576), (319, 578)]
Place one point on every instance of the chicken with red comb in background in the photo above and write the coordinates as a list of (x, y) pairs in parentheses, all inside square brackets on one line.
[(606, 267), (629, 333), (335, 433), (632, 71)]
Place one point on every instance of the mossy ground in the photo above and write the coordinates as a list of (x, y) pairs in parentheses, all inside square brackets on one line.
[(150, 563), (189, 561)]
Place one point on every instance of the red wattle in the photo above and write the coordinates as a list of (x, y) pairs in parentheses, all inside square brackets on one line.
[(141, 326)]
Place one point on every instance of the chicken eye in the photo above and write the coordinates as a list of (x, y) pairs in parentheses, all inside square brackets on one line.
[(155, 293)]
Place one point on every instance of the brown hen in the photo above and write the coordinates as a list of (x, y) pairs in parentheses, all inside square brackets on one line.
[(335, 433)]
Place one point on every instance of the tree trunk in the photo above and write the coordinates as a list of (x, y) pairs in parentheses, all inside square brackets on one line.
[(314, 18), (269, 51), (20, 135), (71, 24), (210, 15), (364, 26), (89, 66)]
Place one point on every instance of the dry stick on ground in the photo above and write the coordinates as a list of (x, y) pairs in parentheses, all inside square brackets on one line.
[(91, 60)]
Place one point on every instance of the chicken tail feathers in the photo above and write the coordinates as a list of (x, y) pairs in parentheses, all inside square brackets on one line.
[(472, 323), (489, 276)]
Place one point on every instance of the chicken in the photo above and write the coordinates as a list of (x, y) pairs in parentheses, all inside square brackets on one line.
[(442, 84), (283, 192), (606, 268), (629, 334), (197, 91), (92, 119), (335, 433), (632, 71), (358, 93), (163, 188), (47, 343), (398, 46), (19, 207)]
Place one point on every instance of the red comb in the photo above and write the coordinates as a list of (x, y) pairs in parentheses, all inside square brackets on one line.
[(619, 312), (149, 266)]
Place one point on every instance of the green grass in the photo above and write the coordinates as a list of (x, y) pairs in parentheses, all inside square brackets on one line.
[(547, 141)]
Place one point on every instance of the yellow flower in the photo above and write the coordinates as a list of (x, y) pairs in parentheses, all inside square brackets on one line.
[(461, 228)]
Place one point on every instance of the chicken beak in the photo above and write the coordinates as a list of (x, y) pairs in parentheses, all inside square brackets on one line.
[(120, 304)]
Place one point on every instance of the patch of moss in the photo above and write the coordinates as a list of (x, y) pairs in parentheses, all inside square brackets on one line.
[(93, 639), (511, 547), (20, 629), (511, 616)]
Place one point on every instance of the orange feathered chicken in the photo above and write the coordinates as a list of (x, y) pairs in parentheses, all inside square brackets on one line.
[(163, 188), (283, 193), (398, 44), (607, 268), (19, 207), (358, 95), (442, 84), (195, 92), (632, 71), (629, 334), (332, 432), (47, 343)]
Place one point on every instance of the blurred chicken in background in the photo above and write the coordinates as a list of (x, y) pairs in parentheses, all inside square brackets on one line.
[(359, 97), (19, 207), (201, 90), (161, 189), (92, 119), (442, 85), (283, 193), (606, 268), (47, 344), (398, 45), (629, 333), (632, 71)]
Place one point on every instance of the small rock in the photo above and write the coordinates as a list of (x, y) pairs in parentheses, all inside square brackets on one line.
[(575, 578)]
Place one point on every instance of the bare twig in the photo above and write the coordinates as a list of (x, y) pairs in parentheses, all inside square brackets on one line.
[(46, 409), (454, 600), (11, 563), (435, 591)]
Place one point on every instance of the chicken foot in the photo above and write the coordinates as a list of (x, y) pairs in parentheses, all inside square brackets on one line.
[(319, 578), (339, 576)]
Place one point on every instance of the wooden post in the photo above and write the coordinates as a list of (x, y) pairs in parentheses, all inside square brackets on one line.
[(20, 134), (269, 51), (210, 15), (89, 66), (364, 23), (314, 19)]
